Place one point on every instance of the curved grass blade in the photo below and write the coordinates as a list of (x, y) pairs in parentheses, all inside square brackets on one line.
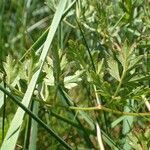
[(86, 44), (18, 118)]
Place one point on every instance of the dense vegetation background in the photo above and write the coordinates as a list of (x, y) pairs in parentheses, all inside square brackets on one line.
[(74, 74)]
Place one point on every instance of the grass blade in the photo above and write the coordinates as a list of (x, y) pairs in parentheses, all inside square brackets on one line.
[(101, 146), (37, 119), (18, 118), (34, 128), (1, 98)]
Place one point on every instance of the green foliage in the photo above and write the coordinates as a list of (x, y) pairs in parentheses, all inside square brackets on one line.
[(11, 69), (77, 70)]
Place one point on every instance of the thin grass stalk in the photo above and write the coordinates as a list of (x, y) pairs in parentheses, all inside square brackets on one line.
[(86, 45), (57, 70), (98, 100), (106, 138), (86, 136)]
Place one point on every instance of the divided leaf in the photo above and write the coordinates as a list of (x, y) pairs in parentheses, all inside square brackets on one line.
[(11, 68), (113, 69), (70, 81)]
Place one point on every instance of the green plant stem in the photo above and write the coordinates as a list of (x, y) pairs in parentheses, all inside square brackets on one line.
[(119, 85), (89, 52), (20, 94), (109, 110), (36, 45)]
